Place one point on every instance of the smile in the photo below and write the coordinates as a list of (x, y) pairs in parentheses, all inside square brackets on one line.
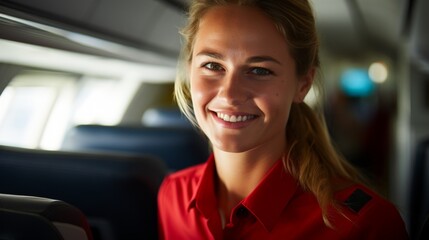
[(235, 118)]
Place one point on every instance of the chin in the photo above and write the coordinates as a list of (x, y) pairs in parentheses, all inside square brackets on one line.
[(232, 148)]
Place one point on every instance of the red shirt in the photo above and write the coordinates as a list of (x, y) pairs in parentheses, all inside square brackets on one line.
[(277, 209)]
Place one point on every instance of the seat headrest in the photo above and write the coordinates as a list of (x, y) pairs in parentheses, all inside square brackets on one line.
[(34, 217), (165, 117)]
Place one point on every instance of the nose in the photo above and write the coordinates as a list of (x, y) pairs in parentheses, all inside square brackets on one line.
[(233, 89)]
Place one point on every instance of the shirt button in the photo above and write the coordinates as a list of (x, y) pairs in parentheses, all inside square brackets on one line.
[(242, 212)]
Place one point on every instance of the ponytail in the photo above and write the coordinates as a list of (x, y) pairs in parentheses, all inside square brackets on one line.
[(313, 160)]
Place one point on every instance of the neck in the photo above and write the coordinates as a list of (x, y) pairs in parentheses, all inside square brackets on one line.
[(239, 174)]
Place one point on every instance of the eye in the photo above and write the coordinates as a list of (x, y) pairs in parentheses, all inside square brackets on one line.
[(213, 66), (260, 71)]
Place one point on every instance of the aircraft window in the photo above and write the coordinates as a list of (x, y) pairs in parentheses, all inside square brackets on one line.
[(21, 122), (68, 89), (38, 107), (26, 105), (103, 101)]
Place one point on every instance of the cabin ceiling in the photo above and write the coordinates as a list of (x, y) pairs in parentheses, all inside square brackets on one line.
[(346, 26), (353, 27)]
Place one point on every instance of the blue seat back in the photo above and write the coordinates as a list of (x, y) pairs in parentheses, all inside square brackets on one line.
[(117, 193), (178, 147)]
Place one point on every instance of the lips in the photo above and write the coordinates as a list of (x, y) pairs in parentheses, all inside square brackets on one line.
[(235, 118)]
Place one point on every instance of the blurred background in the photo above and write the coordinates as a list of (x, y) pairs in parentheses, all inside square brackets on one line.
[(107, 62)]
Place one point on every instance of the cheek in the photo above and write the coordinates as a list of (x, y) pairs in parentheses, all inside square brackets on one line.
[(200, 95), (198, 91), (272, 105), (200, 99), (277, 104), (196, 96)]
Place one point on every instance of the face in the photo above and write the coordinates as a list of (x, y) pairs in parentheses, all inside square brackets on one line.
[(243, 80)]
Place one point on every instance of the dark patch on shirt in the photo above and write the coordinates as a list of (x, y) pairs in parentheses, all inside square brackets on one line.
[(357, 200)]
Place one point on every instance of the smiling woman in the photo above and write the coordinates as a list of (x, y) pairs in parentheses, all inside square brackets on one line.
[(247, 67), (253, 77)]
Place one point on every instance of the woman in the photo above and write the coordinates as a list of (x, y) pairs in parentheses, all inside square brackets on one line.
[(247, 66)]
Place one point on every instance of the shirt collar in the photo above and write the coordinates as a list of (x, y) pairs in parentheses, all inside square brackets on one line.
[(266, 202), (271, 195), (204, 198)]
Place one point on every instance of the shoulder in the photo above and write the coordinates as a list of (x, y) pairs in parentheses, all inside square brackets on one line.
[(181, 182), (174, 198), (193, 173), (373, 215), (357, 198), (360, 200)]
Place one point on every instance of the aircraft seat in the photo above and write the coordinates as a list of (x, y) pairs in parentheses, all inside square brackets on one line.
[(165, 117), (28, 217), (117, 193), (178, 147)]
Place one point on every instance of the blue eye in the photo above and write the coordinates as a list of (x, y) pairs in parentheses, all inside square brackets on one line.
[(261, 71)]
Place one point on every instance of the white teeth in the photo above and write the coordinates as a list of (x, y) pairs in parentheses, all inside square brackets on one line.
[(233, 118)]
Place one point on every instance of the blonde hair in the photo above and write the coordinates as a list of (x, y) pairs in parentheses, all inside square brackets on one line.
[(312, 159)]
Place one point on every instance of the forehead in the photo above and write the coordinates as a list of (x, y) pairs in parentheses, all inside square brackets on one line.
[(236, 14), (239, 27)]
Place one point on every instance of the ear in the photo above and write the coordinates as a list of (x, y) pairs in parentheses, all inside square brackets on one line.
[(304, 84)]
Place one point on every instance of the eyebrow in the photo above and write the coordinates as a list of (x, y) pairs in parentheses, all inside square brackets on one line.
[(254, 59), (258, 59), (210, 54)]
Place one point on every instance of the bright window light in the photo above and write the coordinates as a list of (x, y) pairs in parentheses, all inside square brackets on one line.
[(59, 118), (26, 114), (103, 101), (26, 105)]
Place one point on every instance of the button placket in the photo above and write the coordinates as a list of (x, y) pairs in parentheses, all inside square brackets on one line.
[(242, 212), (241, 220)]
